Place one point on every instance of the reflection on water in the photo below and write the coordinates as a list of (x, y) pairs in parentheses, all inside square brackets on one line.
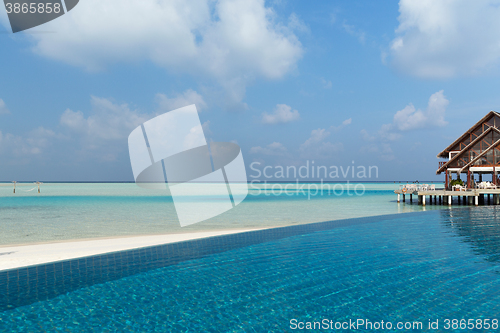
[(478, 226)]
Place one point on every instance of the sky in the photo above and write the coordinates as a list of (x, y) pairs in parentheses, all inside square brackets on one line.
[(294, 83)]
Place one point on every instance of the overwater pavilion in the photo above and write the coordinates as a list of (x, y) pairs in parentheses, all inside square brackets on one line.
[(476, 152)]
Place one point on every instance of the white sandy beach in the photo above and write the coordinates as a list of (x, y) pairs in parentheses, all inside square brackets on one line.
[(28, 255)]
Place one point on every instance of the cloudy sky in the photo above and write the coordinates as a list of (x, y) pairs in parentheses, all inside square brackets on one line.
[(387, 84)]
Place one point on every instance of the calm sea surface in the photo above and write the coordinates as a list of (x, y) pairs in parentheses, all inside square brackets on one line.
[(94, 210)]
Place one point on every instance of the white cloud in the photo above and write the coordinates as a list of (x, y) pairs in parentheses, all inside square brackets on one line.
[(39, 139), (296, 24), (282, 114), (108, 122), (316, 137), (187, 98), (345, 123), (366, 136), (273, 149), (387, 154), (442, 38), (409, 118), (315, 147), (227, 40), (103, 133), (388, 133), (3, 107), (33, 143)]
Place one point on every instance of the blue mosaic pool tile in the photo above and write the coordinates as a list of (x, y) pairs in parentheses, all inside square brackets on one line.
[(24, 286)]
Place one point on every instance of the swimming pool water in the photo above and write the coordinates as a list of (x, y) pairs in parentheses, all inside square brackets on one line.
[(415, 267)]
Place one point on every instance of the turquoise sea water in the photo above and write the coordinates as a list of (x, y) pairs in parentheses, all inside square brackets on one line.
[(433, 266), (80, 211)]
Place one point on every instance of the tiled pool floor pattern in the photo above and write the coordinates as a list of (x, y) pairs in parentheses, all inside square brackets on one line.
[(27, 285), (436, 265)]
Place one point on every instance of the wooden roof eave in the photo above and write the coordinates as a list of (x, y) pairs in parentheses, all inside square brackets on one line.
[(445, 151), (441, 168), (480, 155)]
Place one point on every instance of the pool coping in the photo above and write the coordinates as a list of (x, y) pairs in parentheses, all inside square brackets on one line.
[(19, 256)]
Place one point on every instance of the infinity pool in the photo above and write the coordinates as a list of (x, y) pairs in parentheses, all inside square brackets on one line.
[(416, 267)]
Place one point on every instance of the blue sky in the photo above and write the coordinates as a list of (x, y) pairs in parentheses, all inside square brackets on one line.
[(386, 84)]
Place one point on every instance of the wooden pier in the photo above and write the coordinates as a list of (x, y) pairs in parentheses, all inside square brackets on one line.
[(442, 197)]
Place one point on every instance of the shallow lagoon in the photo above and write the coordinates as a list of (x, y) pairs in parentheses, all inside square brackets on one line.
[(95, 210)]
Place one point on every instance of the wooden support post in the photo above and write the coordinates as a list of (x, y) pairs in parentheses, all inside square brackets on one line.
[(403, 198), (398, 197), (476, 199), (494, 176), (38, 184), (449, 200), (439, 199), (14, 186), (488, 198), (411, 198), (423, 200)]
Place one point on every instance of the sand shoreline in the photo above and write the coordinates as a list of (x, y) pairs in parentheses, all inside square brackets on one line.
[(12, 257)]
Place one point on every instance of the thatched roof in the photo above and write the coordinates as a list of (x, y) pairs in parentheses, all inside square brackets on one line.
[(444, 153)]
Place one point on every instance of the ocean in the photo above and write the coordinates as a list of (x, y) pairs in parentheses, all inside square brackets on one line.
[(67, 211)]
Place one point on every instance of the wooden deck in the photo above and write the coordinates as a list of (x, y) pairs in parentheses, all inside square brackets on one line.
[(474, 192), (442, 196)]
